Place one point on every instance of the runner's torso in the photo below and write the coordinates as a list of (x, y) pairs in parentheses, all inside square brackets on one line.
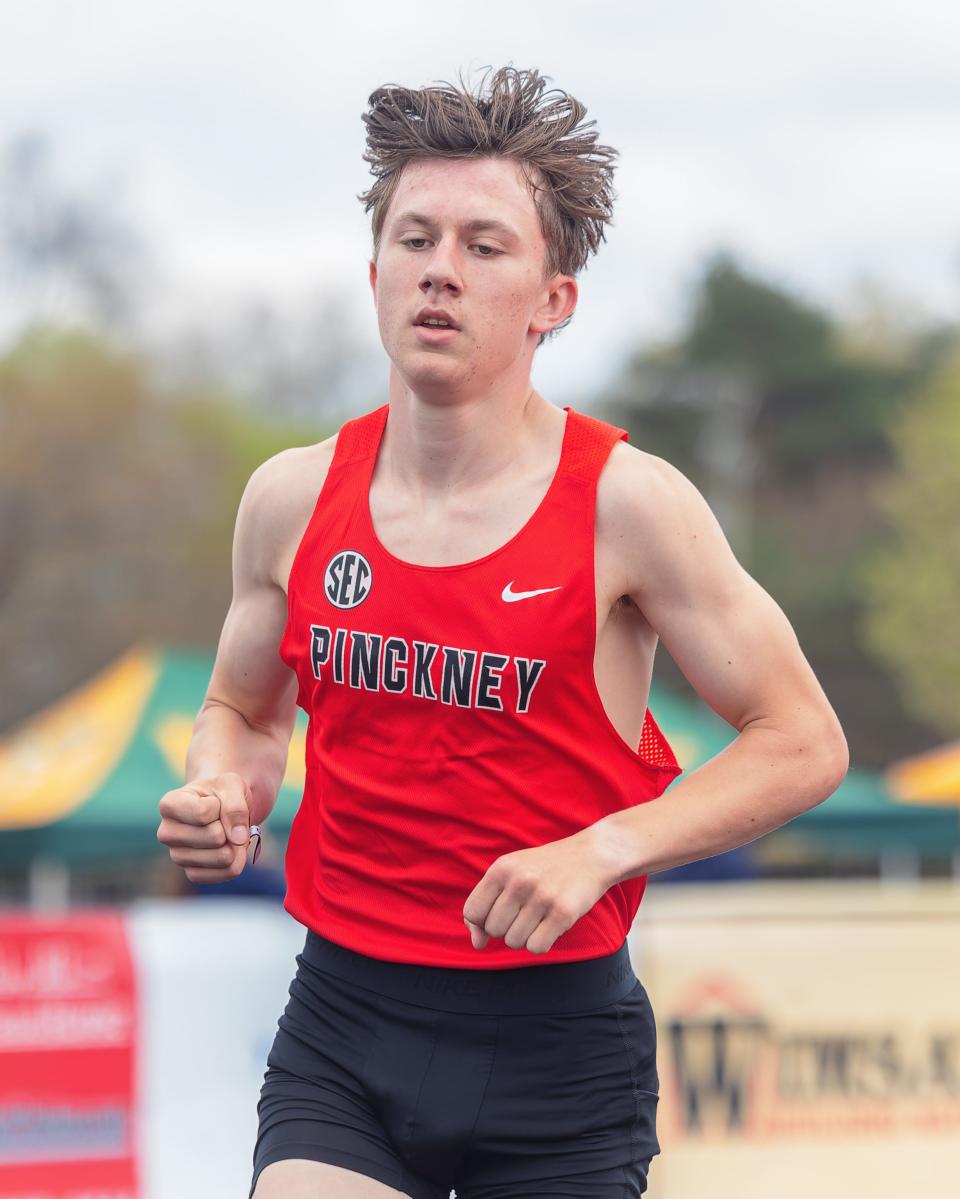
[(448, 723), (626, 644)]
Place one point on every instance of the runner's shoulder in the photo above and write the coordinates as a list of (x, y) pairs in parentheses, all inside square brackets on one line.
[(635, 484), (280, 496), (287, 480), (293, 468), (660, 529)]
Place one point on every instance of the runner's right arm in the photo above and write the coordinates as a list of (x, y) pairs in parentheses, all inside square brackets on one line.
[(238, 753)]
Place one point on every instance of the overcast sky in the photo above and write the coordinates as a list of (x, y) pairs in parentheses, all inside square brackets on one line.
[(818, 138)]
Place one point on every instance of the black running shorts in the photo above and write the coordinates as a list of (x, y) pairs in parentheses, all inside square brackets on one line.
[(538, 1080)]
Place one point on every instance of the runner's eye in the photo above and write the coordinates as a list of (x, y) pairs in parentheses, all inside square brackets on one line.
[(491, 251)]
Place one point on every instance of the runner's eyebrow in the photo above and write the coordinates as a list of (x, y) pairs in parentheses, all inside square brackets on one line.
[(474, 226)]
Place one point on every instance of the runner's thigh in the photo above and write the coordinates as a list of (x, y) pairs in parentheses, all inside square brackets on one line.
[(570, 1107), (319, 1133), (296, 1178)]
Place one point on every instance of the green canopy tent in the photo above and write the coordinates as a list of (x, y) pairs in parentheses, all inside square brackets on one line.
[(864, 817), (82, 780)]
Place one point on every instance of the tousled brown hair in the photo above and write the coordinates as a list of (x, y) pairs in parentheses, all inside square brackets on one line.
[(568, 173)]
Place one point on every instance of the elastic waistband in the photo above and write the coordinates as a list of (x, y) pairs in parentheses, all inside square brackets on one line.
[(516, 991)]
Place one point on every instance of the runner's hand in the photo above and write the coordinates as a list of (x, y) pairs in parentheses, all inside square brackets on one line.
[(530, 897), (205, 824)]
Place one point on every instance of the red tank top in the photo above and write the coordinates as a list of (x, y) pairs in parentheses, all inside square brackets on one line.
[(453, 717)]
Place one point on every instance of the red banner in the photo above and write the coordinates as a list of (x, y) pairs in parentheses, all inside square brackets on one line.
[(68, 1028)]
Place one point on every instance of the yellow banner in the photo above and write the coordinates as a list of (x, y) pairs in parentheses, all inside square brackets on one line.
[(56, 760), (928, 778)]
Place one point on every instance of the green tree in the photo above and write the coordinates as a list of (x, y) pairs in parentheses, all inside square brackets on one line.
[(780, 412), (912, 580), (740, 318), (819, 402), (117, 504)]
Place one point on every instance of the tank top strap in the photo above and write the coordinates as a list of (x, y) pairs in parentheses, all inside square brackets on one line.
[(589, 443), (358, 438)]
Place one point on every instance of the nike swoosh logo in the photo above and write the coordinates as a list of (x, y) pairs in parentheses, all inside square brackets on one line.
[(510, 596)]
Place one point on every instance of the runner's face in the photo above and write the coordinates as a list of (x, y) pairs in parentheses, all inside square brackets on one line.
[(489, 279)]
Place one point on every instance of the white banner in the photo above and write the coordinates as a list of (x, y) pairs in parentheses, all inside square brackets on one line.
[(214, 975)]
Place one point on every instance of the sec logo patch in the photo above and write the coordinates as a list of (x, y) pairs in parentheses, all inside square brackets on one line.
[(347, 579)]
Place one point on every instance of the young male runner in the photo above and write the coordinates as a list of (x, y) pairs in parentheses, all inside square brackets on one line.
[(465, 588)]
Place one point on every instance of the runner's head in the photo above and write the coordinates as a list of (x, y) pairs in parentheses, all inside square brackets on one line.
[(448, 156)]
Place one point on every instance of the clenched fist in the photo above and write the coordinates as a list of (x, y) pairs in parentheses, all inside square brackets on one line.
[(206, 826)]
